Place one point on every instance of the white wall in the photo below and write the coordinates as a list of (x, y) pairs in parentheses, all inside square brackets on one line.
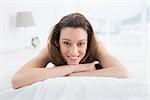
[(1, 25), (47, 13), (45, 17)]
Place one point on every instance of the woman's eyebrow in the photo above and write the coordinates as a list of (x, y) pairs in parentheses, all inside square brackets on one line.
[(82, 40), (77, 41), (66, 39)]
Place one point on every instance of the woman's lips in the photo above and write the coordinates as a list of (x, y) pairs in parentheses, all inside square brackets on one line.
[(73, 58)]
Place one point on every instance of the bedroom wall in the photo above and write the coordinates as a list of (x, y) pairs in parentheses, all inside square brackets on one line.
[(47, 13), (1, 25), (1, 36), (14, 36)]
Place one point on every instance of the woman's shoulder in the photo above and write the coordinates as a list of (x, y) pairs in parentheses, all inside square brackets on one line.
[(44, 54), (101, 48), (99, 43)]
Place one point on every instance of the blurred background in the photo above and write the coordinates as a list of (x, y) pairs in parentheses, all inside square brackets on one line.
[(122, 25)]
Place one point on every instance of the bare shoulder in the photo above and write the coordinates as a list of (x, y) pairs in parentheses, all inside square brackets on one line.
[(44, 53), (41, 60), (107, 60), (102, 49)]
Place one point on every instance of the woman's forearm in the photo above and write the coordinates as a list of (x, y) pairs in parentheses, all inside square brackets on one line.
[(28, 76), (117, 72)]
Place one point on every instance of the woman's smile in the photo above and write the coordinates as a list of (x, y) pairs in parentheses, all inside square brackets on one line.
[(73, 59)]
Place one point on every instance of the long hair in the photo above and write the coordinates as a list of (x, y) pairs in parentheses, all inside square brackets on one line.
[(74, 20)]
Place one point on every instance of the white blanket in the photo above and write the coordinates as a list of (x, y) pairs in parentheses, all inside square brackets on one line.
[(79, 88)]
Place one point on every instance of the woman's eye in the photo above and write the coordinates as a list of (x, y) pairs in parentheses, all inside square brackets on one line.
[(66, 43), (81, 44)]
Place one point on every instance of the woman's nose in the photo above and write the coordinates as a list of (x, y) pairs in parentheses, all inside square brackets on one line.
[(74, 50)]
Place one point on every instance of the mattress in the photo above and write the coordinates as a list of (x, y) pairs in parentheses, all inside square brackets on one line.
[(78, 88)]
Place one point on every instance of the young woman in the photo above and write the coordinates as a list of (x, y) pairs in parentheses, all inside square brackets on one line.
[(74, 51)]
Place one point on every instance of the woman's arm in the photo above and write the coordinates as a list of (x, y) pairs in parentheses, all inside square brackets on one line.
[(112, 71), (29, 76), (111, 66), (34, 70)]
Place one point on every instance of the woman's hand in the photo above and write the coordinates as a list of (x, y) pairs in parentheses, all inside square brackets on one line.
[(84, 67)]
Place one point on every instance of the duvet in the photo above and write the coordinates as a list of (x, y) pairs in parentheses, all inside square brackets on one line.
[(78, 88)]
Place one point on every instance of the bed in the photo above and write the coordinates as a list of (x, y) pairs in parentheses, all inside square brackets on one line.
[(68, 88), (78, 88)]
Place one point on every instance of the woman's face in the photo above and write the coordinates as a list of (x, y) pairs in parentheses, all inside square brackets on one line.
[(73, 44)]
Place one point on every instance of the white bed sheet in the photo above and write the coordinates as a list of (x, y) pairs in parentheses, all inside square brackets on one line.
[(78, 88)]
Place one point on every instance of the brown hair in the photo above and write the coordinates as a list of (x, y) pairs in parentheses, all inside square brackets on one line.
[(75, 20)]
